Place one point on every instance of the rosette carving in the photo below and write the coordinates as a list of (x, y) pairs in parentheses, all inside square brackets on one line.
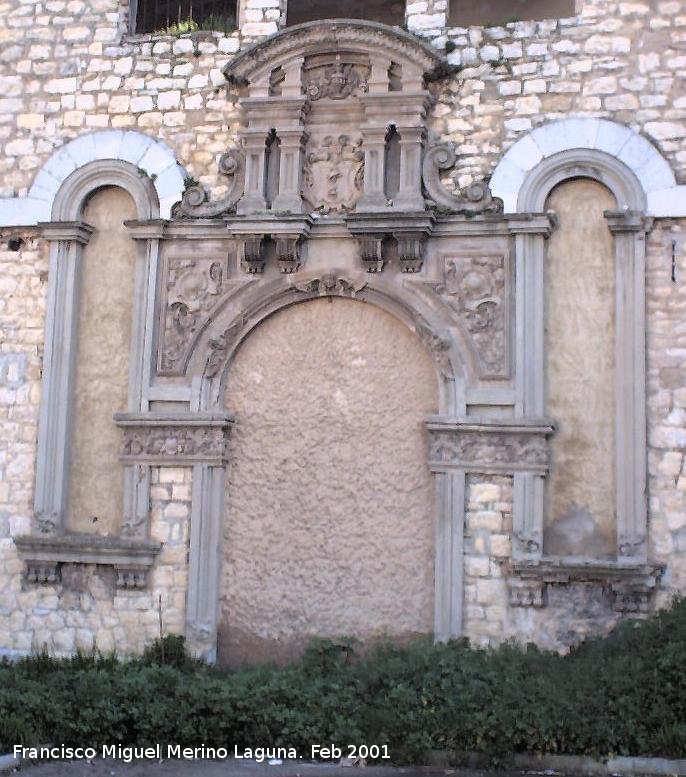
[(476, 198), (195, 203)]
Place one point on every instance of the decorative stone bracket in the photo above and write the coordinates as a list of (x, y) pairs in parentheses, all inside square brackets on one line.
[(131, 559), (630, 588), (254, 234), (175, 439), (410, 230)]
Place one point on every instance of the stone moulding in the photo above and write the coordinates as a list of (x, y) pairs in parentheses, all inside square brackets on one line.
[(175, 439), (131, 559), (497, 446), (629, 587)]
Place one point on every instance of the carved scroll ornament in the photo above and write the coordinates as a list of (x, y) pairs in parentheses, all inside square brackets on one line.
[(476, 198), (195, 202)]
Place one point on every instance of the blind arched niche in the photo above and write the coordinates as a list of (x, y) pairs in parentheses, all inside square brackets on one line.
[(580, 331), (105, 317), (329, 526)]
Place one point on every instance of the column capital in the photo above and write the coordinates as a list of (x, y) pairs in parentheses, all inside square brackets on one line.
[(77, 231), (620, 221)]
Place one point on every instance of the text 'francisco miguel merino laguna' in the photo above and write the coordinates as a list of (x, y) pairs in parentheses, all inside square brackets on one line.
[(158, 752)]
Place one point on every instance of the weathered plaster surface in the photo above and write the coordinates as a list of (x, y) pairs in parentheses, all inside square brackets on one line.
[(102, 364), (580, 331), (329, 526)]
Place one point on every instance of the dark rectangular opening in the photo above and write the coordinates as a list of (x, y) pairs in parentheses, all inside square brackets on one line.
[(485, 13), (388, 12), (179, 16)]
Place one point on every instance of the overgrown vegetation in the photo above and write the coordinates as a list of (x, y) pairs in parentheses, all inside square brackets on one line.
[(625, 694), (225, 23)]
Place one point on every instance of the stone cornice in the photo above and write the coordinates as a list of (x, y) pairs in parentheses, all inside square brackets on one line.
[(44, 555), (87, 549), (630, 587)]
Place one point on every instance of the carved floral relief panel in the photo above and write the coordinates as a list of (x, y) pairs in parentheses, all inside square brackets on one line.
[(477, 288), (192, 288)]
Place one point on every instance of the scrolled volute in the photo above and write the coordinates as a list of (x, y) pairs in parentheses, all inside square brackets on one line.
[(195, 204), (476, 198)]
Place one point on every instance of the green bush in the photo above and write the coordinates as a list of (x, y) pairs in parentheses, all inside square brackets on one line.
[(625, 694)]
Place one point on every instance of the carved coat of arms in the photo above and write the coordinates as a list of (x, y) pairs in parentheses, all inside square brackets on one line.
[(333, 174)]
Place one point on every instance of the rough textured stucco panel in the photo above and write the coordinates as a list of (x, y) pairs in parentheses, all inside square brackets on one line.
[(330, 508), (579, 340), (102, 365)]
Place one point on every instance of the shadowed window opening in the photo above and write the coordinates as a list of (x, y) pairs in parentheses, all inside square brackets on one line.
[(272, 161), (497, 12), (392, 13), (174, 17), (392, 166)]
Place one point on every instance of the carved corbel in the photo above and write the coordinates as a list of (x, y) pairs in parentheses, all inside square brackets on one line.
[(42, 572), (410, 250), (370, 252), (252, 253), (195, 201), (476, 198), (288, 253), (131, 578), (526, 593)]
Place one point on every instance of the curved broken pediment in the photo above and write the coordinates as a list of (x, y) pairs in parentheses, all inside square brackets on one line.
[(339, 35)]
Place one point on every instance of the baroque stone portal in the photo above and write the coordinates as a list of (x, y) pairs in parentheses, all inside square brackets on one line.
[(336, 191)]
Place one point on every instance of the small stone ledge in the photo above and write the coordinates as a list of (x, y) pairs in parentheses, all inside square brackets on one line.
[(176, 439), (44, 555), (489, 446), (629, 587)]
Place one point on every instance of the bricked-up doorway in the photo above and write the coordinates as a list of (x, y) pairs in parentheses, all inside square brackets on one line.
[(496, 12), (329, 523), (388, 12)]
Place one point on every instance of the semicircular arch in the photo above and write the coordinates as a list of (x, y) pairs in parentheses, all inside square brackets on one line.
[(216, 348)]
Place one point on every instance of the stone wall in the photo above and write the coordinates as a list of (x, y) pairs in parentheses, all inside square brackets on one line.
[(69, 67), (84, 609)]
